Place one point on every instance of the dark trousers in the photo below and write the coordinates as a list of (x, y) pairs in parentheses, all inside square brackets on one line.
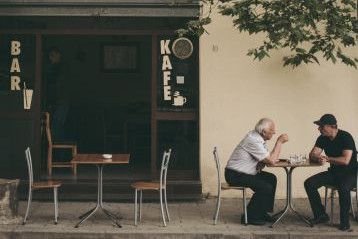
[(343, 182), (264, 186)]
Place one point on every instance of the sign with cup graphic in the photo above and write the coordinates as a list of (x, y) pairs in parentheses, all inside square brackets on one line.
[(177, 75), (179, 100)]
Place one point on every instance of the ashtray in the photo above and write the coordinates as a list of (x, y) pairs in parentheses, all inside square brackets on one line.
[(107, 156)]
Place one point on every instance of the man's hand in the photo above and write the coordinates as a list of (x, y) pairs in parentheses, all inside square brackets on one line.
[(283, 138), (260, 166), (323, 159)]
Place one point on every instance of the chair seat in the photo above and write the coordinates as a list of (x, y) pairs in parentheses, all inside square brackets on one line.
[(146, 185), (226, 186), (335, 188), (46, 184)]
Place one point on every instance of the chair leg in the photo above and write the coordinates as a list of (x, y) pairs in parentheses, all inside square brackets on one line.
[(74, 166), (55, 199), (140, 205), (332, 205), (74, 169), (49, 161), (352, 208), (135, 206), (325, 198), (166, 204), (245, 205), (28, 206), (218, 202), (161, 206), (357, 203)]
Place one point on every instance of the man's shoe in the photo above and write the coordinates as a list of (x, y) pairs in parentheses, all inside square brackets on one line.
[(321, 219), (252, 221), (268, 218), (345, 228)]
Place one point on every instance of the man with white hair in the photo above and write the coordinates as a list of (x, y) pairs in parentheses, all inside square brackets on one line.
[(244, 169)]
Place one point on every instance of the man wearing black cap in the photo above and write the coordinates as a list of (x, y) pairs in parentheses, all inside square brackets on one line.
[(340, 151)]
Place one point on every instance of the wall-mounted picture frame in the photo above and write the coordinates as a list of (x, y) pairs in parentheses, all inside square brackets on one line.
[(120, 57)]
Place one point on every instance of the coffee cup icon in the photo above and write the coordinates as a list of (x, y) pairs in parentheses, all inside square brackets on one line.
[(179, 100)]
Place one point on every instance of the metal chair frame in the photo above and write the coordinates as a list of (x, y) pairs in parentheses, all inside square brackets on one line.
[(225, 186), (333, 189), (162, 192), (31, 188)]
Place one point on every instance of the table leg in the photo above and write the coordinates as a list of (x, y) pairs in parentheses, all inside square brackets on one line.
[(289, 206), (86, 213), (285, 210), (99, 191), (99, 204)]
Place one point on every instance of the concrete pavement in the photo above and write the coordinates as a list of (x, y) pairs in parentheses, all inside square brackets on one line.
[(188, 220)]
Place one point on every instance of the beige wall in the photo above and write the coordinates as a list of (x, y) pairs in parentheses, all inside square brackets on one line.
[(236, 91)]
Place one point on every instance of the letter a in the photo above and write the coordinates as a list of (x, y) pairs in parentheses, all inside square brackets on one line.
[(15, 66), (166, 63)]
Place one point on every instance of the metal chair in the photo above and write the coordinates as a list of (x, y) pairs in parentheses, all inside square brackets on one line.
[(226, 186), (160, 186), (39, 185), (333, 190), (58, 145)]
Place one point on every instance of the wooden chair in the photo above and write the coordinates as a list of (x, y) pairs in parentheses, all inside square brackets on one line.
[(226, 186), (39, 185), (333, 189), (57, 145), (160, 186)]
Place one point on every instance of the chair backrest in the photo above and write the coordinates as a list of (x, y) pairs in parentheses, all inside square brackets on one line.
[(47, 127), (29, 166), (218, 168), (164, 168)]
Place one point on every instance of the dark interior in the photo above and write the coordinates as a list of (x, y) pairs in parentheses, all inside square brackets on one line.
[(110, 108)]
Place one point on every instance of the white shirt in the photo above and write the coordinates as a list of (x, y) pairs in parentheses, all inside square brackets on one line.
[(251, 150)]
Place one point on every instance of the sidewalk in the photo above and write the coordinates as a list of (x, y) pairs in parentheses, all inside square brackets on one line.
[(188, 220)]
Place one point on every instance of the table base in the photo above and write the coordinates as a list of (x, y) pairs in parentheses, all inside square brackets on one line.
[(114, 218), (289, 206)]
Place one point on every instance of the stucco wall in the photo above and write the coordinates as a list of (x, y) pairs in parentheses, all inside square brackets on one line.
[(236, 91)]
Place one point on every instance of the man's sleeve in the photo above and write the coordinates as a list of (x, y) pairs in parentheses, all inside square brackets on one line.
[(319, 142), (348, 142), (257, 150)]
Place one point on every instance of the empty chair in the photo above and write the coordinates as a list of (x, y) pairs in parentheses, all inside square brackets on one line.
[(226, 186), (160, 186), (60, 146), (39, 185)]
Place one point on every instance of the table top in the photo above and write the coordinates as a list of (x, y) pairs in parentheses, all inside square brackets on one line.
[(98, 159), (286, 164)]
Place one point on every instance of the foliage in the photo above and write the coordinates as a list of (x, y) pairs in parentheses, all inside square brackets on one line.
[(308, 28)]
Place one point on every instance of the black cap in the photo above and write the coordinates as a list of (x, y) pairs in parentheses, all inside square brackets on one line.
[(326, 119)]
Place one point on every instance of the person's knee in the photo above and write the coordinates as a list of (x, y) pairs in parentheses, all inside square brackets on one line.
[(309, 183)]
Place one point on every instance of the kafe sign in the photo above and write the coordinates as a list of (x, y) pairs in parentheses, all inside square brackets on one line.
[(175, 99)]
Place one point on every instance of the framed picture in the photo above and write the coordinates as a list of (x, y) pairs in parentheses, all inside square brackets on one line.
[(120, 57)]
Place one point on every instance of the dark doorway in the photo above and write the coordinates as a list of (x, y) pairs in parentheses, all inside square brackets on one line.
[(110, 100)]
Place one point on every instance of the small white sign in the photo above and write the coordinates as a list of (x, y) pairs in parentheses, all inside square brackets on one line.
[(180, 79), (27, 98)]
